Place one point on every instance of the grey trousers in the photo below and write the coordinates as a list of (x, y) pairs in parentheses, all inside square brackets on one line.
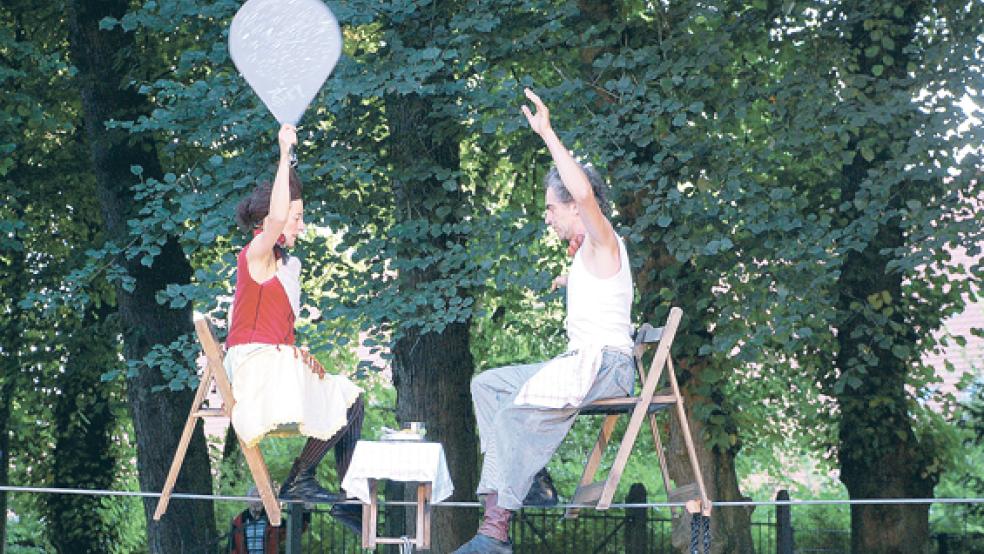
[(518, 441)]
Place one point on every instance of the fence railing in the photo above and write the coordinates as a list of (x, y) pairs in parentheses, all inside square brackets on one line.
[(638, 530), (628, 527), (545, 531)]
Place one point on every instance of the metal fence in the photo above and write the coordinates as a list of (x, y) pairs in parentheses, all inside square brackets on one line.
[(616, 531), (819, 526)]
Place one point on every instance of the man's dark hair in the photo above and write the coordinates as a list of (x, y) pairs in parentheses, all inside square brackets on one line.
[(553, 181)]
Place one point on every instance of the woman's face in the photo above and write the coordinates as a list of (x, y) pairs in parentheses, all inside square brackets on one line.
[(295, 222)]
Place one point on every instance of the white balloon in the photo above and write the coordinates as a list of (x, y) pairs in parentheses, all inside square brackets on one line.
[(285, 49)]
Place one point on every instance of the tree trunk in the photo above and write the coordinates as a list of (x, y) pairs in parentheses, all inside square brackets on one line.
[(157, 417), (432, 370), (84, 425), (879, 453), (432, 373)]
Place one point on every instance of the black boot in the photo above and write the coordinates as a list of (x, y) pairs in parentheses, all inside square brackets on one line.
[(542, 492), (302, 485)]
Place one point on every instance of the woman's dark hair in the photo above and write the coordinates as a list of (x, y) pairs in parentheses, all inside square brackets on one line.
[(251, 210)]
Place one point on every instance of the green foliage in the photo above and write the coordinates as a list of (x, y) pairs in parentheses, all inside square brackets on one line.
[(788, 173), (25, 534), (963, 478)]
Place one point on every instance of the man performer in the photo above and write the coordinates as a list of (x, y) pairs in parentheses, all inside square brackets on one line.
[(525, 411)]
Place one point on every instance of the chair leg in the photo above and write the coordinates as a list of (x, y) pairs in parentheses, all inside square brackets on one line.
[(179, 455), (635, 424), (262, 479), (688, 439), (591, 466), (660, 453), (624, 449)]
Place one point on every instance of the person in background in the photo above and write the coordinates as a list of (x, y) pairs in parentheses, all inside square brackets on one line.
[(251, 532)]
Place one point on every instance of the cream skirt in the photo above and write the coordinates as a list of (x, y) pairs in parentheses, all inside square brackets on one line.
[(273, 387)]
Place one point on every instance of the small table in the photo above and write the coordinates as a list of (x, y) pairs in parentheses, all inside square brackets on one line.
[(411, 461)]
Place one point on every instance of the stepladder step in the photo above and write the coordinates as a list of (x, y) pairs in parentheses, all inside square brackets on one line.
[(210, 412), (588, 494), (684, 493)]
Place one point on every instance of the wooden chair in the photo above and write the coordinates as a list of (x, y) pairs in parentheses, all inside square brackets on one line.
[(647, 404), (214, 370)]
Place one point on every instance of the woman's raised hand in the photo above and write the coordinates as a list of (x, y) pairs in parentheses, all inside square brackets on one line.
[(287, 138)]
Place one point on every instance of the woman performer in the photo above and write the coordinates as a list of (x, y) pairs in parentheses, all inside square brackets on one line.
[(275, 382)]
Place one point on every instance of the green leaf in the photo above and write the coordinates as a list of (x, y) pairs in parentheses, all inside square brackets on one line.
[(110, 375), (886, 297), (867, 153), (108, 23), (129, 22), (430, 53)]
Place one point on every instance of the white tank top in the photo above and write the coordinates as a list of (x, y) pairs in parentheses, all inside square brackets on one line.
[(599, 311)]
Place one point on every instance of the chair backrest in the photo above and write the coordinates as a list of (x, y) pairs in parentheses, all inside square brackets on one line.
[(206, 337), (214, 358), (645, 337), (648, 336)]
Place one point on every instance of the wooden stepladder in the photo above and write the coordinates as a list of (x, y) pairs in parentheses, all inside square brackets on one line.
[(646, 405), (214, 370)]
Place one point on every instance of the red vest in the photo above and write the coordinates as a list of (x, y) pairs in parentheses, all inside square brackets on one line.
[(261, 312)]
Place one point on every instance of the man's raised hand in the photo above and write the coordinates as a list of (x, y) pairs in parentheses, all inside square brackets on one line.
[(539, 121)]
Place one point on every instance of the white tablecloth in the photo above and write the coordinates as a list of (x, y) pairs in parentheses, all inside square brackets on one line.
[(398, 461)]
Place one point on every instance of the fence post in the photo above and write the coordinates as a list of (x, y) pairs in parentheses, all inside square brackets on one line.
[(784, 525), (295, 524), (636, 521)]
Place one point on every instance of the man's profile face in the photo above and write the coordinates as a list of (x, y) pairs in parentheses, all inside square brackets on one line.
[(560, 216)]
